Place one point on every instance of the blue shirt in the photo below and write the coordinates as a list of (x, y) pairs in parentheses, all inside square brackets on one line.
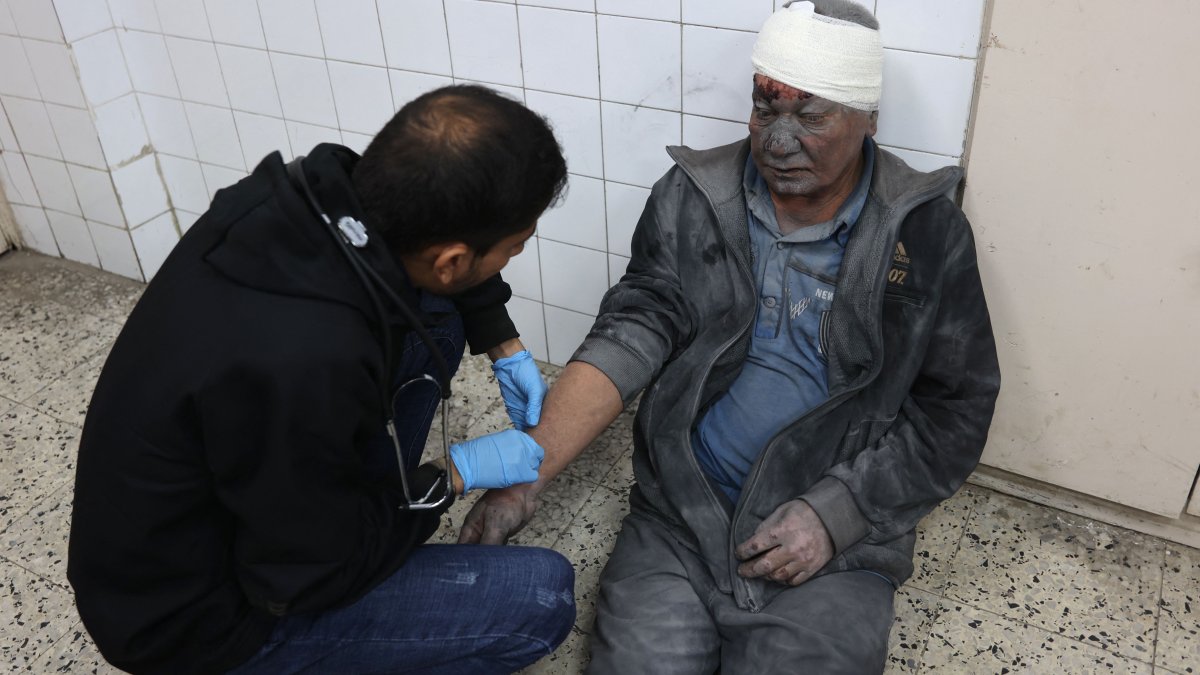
[(784, 375)]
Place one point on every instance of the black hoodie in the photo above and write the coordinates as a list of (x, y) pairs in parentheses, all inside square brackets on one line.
[(219, 482)]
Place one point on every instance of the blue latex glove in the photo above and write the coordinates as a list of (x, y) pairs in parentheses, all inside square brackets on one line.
[(497, 460), (522, 387)]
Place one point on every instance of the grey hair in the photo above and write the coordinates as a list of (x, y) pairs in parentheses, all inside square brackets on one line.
[(845, 10)]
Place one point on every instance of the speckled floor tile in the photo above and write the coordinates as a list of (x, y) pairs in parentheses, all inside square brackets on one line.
[(34, 613), (68, 397), (598, 459), (83, 288), (37, 457), (74, 653), (1088, 581), (1179, 624), (588, 543), (41, 340), (915, 611), (38, 540), (570, 658), (969, 640), (620, 477), (938, 536)]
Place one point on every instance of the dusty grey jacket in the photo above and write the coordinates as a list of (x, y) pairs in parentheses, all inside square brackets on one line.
[(912, 372)]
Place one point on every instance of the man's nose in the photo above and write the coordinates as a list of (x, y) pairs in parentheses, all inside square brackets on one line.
[(781, 143)]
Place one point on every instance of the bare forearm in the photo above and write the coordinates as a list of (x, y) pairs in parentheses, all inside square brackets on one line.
[(579, 407)]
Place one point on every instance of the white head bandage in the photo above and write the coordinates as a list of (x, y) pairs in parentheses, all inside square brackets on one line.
[(831, 58)]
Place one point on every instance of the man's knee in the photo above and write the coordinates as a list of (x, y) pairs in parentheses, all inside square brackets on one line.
[(548, 608)]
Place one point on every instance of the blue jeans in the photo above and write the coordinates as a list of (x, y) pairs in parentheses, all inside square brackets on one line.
[(449, 608)]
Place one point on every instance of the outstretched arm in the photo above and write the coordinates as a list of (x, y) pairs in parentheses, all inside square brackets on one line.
[(578, 408)]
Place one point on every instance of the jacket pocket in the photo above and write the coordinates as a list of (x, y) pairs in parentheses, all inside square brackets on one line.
[(900, 295)]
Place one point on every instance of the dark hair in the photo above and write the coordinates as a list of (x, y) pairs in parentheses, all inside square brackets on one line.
[(460, 163)]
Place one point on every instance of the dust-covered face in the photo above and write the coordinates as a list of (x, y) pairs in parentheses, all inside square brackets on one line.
[(804, 145)]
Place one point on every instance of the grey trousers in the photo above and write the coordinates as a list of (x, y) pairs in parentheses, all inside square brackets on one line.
[(660, 612)]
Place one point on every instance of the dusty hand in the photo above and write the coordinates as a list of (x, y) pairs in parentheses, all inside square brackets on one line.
[(498, 515), (788, 547)]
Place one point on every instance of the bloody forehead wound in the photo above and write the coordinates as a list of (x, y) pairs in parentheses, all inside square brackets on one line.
[(770, 90)]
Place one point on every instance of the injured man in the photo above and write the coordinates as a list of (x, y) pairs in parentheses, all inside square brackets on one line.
[(803, 318)]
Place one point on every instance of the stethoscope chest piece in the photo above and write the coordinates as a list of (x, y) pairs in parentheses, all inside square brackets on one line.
[(353, 230)]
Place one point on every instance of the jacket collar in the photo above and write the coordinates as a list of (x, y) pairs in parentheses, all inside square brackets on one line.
[(855, 319)]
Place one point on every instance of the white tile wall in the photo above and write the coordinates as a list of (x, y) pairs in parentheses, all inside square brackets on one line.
[(531, 324), (625, 205), (350, 31), (926, 101), (260, 136), (304, 90), (235, 22), (249, 80), (141, 190), (54, 73), (102, 70), (361, 95), (564, 331), (167, 126), (35, 229), (134, 14), (408, 85), (184, 18), (18, 184), (707, 132), (291, 26), (53, 185), (36, 19), (81, 18), (149, 63), (115, 249), (640, 62), (31, 125), (746, 15), (634, 139), (198, 71), (523, 272), (185, 183), (579, 219), (558, 51), (16, 77), (572, 277), (154, 241), (121, 129), (483, 41), (414, 35), (949, 27), (75, 241), (576, 123), (718, 77), (664, 10), (221, 83), (216, 135), (97, 197)]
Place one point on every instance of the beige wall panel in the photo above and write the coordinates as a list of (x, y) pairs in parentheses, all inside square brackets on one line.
[(1084, 191)]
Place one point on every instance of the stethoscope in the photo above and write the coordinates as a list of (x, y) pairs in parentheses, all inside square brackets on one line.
[(351, 235)]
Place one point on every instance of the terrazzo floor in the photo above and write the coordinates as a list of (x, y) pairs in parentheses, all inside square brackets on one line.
[(1002, 585)]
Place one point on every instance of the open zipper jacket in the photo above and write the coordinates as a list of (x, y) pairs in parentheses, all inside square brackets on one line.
[(912, 367)]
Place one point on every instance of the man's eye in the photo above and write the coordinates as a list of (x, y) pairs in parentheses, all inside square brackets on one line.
[(761, 113), (813, 119)]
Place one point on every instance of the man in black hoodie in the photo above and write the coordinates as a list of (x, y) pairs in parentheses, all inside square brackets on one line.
[(237, 502)]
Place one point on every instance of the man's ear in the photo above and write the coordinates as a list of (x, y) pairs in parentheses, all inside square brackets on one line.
[(872, 123), (452, 262)]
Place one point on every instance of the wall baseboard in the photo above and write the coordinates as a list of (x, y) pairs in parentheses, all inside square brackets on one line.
[(1183, 530)]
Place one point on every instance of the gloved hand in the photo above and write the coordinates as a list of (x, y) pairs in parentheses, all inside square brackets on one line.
[(522, 387), (497, 460)]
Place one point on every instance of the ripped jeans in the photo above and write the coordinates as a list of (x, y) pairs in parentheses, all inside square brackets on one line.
[(449, 608)]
